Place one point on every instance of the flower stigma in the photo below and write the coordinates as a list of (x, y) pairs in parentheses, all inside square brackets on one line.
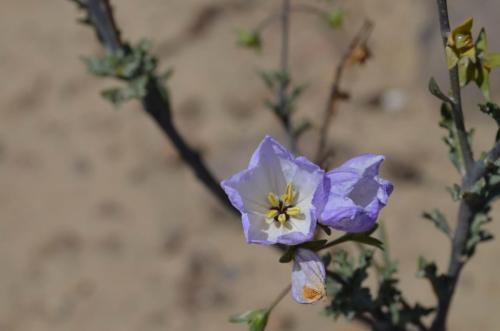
[(282, 208)]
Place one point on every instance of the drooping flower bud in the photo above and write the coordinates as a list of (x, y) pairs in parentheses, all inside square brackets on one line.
[(308, 277)]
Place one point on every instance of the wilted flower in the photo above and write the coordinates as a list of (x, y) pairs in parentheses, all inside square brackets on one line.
[(279, 196), (308, 277), (357, 194)]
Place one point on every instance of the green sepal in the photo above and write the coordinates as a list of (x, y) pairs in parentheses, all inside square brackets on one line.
[(288, 255)]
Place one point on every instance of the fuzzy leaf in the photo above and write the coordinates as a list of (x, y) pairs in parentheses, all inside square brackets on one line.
[(450, 140), (493, 110), (455, 191), (436, 91), (439, 220)]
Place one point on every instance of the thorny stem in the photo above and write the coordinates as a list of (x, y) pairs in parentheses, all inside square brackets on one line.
[(472, 172), (155, 103), (335, 93)]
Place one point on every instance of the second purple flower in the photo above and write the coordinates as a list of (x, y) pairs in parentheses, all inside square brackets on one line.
[(357, 194)]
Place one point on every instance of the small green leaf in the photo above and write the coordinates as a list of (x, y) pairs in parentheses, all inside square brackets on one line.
[(436, 91), (297, 91), (477, 233), (493, 110), (98, 66), (492, 60), (482, 42), (425, 268), (394, 310), (267, 78), (117, 96), (482, 79), (336, 18), (439, 220), (476, 189), (302, 128), (250, 39), (466, 71), (450, 140), (455, 191), (243, 317)]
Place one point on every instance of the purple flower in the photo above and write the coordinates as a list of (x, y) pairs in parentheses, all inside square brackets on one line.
[(357, 194), (280, 196), (308, 277)]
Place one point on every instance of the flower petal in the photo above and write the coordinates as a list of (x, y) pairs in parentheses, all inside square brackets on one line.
[(368, 164), (247, 190)]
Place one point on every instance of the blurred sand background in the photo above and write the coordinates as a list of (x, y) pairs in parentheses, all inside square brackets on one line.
[(102, 228)]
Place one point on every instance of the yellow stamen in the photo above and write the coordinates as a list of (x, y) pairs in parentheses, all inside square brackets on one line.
[(289, 195), (272, 213), (282, 218), (293, 211), (273, 199)]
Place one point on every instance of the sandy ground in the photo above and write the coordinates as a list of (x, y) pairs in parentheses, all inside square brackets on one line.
[(102, 228)]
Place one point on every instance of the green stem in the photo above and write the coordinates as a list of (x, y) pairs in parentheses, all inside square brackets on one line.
[(279, 297)]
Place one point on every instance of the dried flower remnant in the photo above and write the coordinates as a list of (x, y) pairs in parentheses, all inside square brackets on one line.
[(308, 277)]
